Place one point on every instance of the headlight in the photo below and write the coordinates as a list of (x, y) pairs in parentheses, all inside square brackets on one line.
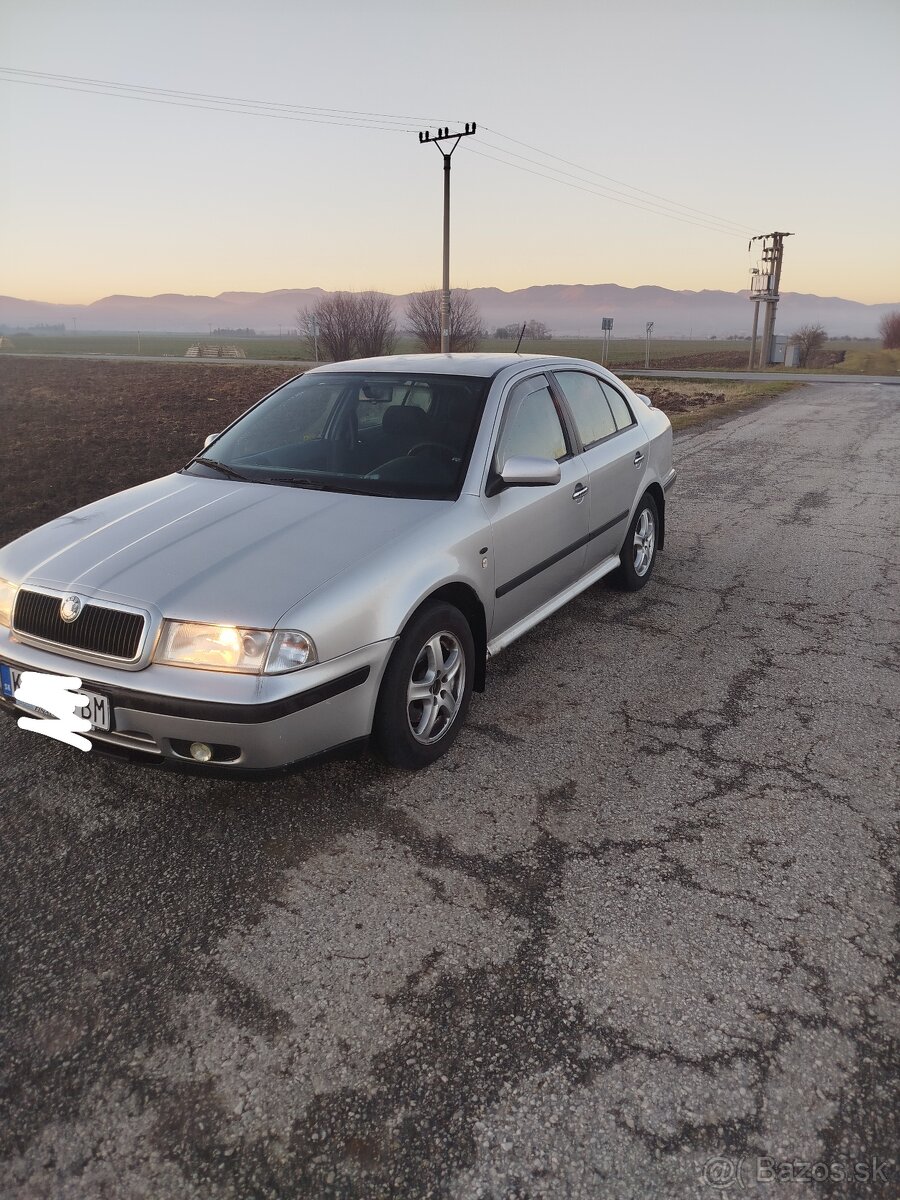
[(7, 599), (229, 648)]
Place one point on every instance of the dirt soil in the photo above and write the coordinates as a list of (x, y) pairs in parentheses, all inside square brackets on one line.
[(725, 360), (678, 398), (80, 430)]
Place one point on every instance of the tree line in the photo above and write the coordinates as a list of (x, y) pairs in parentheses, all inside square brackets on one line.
[(345, 325)]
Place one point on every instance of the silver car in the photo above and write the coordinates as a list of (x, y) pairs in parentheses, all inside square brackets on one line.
[(340, 563)]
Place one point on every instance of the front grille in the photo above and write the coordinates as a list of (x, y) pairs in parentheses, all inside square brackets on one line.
[(98, 629)]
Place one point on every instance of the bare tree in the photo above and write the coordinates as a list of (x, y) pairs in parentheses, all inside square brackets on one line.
[(349, 325), (534, 330), (333, 319), (537, 331), (423, 312), (889, 328), (376, 330), (809, 338)]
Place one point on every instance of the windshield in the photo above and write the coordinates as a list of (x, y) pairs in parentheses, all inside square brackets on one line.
[(376, 434)]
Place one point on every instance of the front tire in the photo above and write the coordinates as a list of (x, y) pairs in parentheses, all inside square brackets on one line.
[(638, 553), (426, 689)]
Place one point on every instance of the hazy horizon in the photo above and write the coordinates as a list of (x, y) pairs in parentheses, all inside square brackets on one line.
[(565, 309), (310, 287)]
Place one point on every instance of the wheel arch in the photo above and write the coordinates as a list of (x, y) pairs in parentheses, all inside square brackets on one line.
[(659, 497), (465, 598)]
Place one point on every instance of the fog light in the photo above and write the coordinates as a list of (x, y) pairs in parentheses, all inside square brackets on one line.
[(201, 751)]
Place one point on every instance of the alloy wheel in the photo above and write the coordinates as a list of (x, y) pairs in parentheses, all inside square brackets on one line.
[(644, 542), (436, 688)]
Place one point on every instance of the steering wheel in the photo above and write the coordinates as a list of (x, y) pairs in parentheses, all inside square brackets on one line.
[(445, 453)]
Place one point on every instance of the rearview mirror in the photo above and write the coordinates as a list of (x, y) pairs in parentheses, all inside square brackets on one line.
[(523, 471), (210, 437)]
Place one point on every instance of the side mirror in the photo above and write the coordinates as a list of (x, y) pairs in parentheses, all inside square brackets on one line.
[(646, 399), (523, 471), (210, 437)]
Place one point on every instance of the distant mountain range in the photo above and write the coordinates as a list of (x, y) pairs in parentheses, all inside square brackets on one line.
[(564, 308)]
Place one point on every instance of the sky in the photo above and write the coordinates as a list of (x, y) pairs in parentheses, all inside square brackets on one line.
[(735, 118)]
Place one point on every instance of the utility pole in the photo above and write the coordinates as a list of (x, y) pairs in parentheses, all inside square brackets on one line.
[(764, 287), (755, 327), (444, 135), (647, 355)]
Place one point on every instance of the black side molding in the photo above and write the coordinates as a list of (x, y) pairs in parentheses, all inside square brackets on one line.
[(506, 588)]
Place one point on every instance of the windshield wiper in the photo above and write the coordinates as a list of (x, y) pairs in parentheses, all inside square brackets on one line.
[(293, 481), (227, 471)]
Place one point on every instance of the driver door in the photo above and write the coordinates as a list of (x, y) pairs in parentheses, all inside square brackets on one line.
[(539, 533)]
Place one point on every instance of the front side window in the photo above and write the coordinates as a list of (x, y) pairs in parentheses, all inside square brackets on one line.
[(373, 433), (532, 426), (584, 393)]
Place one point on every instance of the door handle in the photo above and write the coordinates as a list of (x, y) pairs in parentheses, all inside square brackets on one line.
[(638, 458), (580, 492)]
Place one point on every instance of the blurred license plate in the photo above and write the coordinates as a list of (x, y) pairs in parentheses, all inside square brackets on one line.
[(95, 708)]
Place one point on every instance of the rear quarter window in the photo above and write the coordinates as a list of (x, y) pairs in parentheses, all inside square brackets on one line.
[(619, 405), (588, 404)]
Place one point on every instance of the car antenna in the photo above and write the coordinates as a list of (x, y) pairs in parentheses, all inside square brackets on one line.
[(521, 335)]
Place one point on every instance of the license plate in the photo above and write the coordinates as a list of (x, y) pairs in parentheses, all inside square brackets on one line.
[(95, 709)]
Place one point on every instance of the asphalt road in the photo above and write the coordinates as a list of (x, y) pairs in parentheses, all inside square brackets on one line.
[(639, 920)]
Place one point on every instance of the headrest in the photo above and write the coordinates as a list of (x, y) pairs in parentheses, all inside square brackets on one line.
[(404, 419), (459, 406)]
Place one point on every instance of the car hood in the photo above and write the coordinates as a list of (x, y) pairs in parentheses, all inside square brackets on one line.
[(210, 549)]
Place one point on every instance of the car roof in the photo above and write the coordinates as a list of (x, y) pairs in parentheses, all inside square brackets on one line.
[(485, 365)]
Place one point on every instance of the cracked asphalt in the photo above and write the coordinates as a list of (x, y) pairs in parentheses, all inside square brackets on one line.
[(641, 917)]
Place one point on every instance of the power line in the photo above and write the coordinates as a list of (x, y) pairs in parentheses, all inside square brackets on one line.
[(322, 119), (593, 192), (382, 122), (214, 98), (612, 193), (611, 179), (211, 108)]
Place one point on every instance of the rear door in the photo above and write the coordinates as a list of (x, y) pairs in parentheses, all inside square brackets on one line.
[(539, 533), (614, 453)]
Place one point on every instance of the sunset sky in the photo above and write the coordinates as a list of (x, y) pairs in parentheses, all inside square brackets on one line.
[(759, 115)]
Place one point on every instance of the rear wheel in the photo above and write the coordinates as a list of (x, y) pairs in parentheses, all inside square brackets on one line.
[(426, 689), (638, 553)]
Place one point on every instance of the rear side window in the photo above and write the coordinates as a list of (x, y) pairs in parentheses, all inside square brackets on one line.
[(587, 401), (619, 405), (532, 426)]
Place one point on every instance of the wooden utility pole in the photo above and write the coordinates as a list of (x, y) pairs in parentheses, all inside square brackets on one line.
[(444, 135)]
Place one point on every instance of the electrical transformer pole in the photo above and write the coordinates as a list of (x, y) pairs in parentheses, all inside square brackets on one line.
[(764, 289), (444, 135)]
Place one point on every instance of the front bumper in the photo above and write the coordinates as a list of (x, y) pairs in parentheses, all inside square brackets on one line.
[(270, 721)]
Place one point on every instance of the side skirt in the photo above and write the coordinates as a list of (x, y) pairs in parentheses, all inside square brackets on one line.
[(495, 645)]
